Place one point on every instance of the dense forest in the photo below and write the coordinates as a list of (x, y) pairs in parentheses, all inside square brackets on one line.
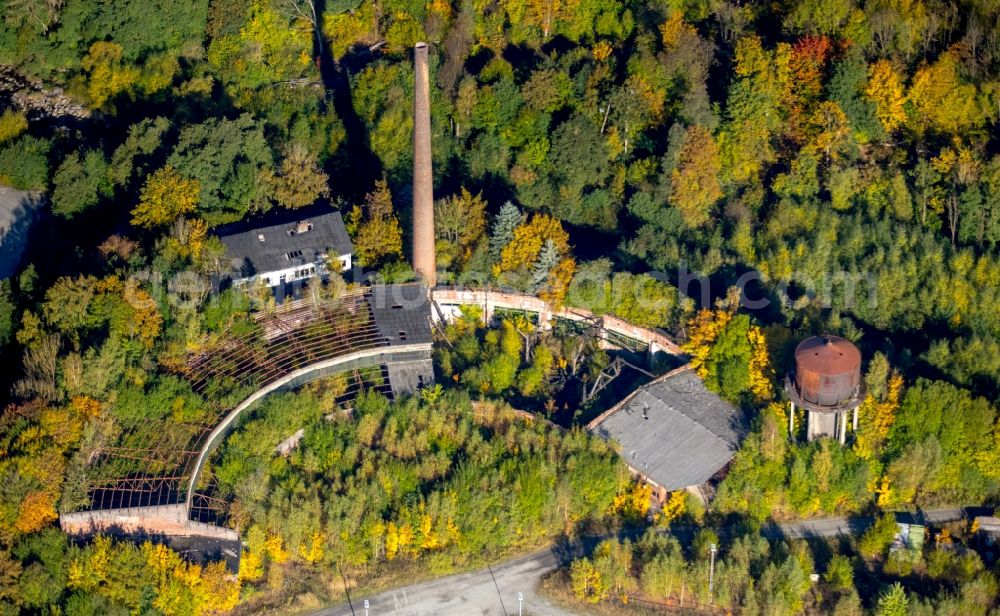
[(846, 151)]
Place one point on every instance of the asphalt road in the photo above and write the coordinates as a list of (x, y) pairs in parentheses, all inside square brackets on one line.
[(479, 593), (493, 591), (832, 527)]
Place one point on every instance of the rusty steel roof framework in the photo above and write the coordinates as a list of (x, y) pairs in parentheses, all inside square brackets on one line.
[(149, 462), (206, 504)]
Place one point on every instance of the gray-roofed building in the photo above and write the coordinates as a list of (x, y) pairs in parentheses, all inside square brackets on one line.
[(673, 431), (291, 247), (402, 313), (409, 377)]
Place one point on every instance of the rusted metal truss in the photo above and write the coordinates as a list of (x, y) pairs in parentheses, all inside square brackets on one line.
[(148, 462)]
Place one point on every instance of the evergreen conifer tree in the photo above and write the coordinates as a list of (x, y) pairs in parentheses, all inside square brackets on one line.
[(508, 218), (548, 257)]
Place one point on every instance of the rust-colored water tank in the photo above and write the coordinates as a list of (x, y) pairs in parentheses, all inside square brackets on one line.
[(827, 370)]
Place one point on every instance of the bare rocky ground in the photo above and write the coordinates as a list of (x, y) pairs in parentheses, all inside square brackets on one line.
[(37, 100), (19, 209)]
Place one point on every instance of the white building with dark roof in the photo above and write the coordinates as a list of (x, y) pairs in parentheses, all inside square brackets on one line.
[(673, 431), (290, 248)]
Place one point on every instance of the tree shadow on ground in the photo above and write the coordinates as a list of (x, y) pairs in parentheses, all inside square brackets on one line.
[(358, 167)]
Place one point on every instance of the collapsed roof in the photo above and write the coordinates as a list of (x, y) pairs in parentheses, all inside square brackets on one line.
[(674, 431)]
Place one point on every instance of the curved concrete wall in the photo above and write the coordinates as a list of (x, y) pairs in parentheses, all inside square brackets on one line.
[(352, 361), (174, 520), (167, 520)]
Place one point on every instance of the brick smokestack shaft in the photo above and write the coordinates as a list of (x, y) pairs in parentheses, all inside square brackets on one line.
[(423, 181)]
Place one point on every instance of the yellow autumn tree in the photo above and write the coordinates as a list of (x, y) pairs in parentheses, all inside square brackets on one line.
[(429, 539), (251, 566), (405, 536), (633, 502), (940, 100), (958, 163), (187, 237), (886, 90), (398, 539), (347, 28), (85, 407), (252, 559), (216, 590), (90, 569), (586, 581), (528, 240), (165, 196), (674, 508), (179, 583), (545, 15), (884, 496), (601, 50), (391, 540), (761, 374), (674, 30), (146, 320), (557, 284), (12, 124), (37, 510), (539, 256), (831, 131), (268, 49), (875, 418), (703, 330), (377, 234), (300, 181), (315, 550), (107, 76), (694, 181), (988, 460), (276, 550)]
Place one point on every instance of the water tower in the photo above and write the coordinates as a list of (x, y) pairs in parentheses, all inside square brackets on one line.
[(826, 383)]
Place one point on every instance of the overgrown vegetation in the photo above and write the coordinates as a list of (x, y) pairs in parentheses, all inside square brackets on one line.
[(576, 143), (755, 576), (930, 445), (431, 479), (561, 373)]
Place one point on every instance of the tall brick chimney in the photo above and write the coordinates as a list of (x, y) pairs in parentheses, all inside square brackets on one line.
[(424, 263)]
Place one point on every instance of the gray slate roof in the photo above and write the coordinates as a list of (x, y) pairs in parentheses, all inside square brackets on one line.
[(409, 377), (402, 313), (687, 434), (251, 256)]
